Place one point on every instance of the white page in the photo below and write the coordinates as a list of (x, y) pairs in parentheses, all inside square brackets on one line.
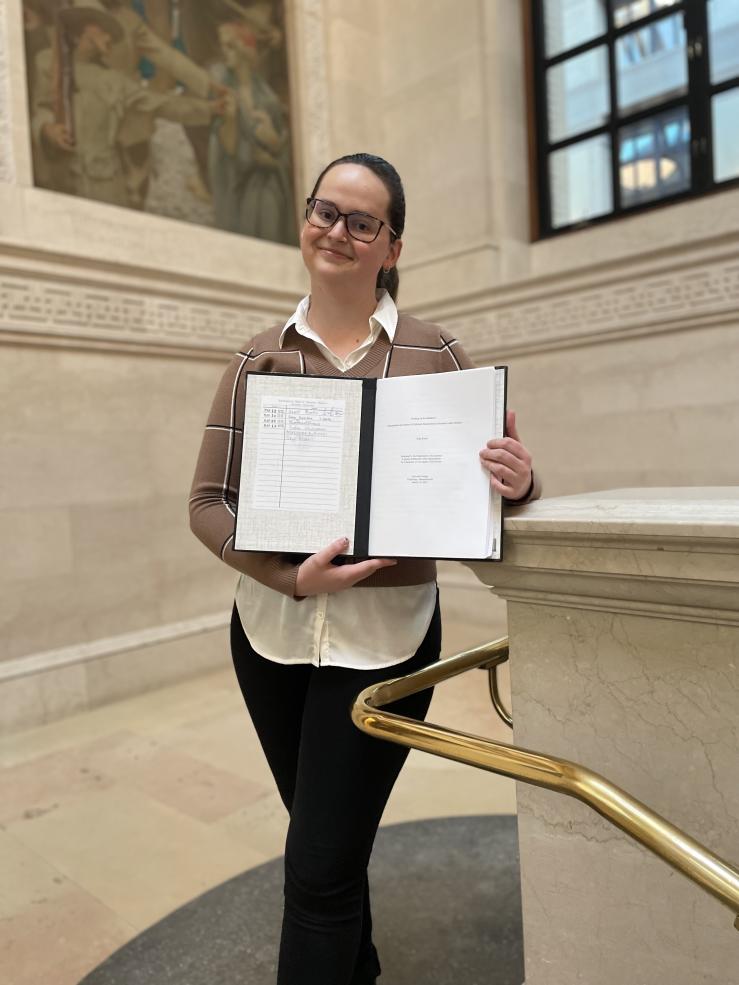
[(430, 493), (300, 454)]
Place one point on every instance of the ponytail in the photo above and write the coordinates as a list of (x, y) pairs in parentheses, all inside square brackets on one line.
[(390, 280)]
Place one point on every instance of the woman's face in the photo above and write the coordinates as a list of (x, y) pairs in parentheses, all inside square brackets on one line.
[(332, 255)]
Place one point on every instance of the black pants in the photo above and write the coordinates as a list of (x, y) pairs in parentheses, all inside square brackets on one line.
[(335, 782)]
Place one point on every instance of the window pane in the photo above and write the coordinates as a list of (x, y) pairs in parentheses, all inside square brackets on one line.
[(651, 64), (725, 113), (654, 157), (578, 94), (627, 11), (723, 38), (580, 181), (568, 23)]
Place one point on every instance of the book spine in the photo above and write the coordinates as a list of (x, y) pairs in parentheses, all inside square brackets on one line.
[(364, 468)]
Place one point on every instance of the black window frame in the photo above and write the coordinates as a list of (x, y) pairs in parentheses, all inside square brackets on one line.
[(697, 100)]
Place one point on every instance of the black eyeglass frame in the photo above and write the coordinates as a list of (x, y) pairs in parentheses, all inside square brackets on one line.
[(311, 204)]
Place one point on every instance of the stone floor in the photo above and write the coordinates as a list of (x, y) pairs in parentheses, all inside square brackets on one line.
[(113, 818)]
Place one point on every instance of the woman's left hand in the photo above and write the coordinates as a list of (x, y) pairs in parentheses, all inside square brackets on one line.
[(508, 462)]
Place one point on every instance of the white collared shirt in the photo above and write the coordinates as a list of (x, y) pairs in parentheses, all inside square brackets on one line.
[(363, 628), (385, 316)]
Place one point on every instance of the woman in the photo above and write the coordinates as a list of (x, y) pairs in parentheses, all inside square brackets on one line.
[(307, 634), (249, 156)]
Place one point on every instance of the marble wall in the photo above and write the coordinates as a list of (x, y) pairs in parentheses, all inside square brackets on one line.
[(622, 339)]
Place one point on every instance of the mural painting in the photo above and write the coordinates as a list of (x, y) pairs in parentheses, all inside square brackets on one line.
[(173, 107)]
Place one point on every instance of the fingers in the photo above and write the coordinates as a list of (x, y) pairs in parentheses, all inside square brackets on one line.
[(510, 425), (327, 554), (363, 569), (512, 445), (503, 456), (505, 474), (316, 574), (504, 489), (508, 462)]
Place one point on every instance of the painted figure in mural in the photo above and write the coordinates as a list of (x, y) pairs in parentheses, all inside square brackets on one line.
[(38, 30), (140, 43), (39, 35), (84, 154), (249, 153)]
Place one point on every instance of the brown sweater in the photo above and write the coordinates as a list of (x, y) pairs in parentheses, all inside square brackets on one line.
[(418, 347)]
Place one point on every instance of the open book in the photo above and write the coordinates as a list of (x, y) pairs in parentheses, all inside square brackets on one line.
[(392, 464)]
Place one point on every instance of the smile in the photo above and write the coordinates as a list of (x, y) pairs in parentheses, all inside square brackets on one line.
[(333, 253)]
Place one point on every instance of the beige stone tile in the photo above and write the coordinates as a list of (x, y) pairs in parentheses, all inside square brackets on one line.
[(66, 733), (151, 713), (39, 786), (160, 711), (262, 825), (196, 789), (27, 879), (56, 941), (227, 740), (41, 906), (137, 856)]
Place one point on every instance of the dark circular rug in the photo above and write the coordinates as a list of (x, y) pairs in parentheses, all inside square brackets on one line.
[(448, 913)]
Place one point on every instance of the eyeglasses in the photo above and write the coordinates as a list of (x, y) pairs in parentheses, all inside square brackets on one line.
[(359, 225)]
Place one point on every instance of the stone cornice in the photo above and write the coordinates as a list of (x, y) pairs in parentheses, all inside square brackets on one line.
[(661, 553), (694, 285), (46, 298)]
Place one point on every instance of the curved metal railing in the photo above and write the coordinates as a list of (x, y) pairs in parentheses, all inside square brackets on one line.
[(688, 856)]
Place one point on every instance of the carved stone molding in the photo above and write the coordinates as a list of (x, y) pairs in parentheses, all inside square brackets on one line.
[(7, 159), (560, 312), (39, 309)]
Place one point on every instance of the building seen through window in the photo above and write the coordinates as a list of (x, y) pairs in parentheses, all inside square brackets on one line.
[(636, 103)]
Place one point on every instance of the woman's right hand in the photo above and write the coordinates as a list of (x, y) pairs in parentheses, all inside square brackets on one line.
[(317, 575)]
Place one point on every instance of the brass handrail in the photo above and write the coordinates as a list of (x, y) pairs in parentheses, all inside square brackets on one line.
[(637, 820), (492, 668)]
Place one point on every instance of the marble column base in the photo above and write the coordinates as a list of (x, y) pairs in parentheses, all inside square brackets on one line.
[(623, 614)]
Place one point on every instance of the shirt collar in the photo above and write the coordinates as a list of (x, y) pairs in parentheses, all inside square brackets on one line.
[(385, 316)]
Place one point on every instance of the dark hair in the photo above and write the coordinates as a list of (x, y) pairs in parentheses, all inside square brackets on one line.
[(391, 180)]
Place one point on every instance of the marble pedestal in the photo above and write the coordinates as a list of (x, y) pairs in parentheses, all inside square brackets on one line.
[(623, 614)]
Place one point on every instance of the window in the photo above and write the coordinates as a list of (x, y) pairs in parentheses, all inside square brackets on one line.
[(637, 102)]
